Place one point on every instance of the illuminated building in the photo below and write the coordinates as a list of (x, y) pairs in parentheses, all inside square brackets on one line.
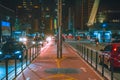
[(82, 12), (29, 13)]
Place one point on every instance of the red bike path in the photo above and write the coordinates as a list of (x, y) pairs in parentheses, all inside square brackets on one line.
[(48, 67)]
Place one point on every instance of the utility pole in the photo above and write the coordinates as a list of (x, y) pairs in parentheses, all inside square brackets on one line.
[(59, 43)]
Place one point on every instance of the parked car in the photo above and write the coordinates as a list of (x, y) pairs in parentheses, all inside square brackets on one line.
[(116, 41), (12, 50), (111, 53)]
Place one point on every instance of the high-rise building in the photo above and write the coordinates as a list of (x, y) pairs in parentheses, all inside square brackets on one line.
[(82, 13), (48, 15), (29, 14)]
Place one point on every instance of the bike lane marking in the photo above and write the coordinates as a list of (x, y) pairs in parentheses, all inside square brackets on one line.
[(64, 76), (59, 75)]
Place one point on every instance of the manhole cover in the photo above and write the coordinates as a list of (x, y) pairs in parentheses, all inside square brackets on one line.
[(62, 70)]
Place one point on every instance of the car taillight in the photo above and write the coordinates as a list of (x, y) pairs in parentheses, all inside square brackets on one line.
[(115, 49)]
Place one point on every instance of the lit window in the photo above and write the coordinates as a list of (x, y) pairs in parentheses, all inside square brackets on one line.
[(36, 7), (19, 6)]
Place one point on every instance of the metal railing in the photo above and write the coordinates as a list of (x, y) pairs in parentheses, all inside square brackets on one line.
[(91, 56), (14, 67)]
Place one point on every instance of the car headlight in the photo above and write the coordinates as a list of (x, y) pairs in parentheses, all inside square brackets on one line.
[(23, 39), (48, 39), (41, 42), (33, 42), (20, 56), (17, 52), (20, 39), (1, 52)]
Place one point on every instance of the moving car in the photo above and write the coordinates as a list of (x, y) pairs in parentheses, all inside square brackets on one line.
[(111, 54), (12, 50), (38, 41)]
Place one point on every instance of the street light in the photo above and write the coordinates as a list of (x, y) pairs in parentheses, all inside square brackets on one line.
[(59, 44)]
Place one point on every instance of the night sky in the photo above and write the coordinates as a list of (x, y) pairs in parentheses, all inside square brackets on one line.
[(9, 3), (107, 4), (110, 4)]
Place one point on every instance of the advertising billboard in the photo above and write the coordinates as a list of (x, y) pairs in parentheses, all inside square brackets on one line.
[(5, 28)]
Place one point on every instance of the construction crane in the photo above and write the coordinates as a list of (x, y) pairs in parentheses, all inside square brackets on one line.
[(93, 13)]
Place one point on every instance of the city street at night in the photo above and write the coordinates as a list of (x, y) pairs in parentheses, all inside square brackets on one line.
[(59, 39), (47, 67)]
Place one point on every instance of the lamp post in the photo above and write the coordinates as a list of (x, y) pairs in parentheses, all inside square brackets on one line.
[(59, 43)]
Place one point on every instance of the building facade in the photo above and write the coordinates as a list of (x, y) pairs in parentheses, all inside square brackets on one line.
[(7, 17), (82, 13), (29, 14)]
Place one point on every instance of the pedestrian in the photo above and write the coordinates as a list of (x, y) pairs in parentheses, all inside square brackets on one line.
[(96, 41)]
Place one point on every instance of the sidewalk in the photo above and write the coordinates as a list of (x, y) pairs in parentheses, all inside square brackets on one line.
[(47, 67)]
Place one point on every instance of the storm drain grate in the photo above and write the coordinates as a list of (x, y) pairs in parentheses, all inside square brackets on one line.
[(62, 70)]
